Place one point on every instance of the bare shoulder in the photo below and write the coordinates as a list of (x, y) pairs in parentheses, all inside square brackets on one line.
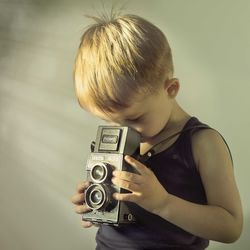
[(208, 145), (215, 166)]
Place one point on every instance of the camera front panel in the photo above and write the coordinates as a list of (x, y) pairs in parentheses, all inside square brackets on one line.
[(98, 196)]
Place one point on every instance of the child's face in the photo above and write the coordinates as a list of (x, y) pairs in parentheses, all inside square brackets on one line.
[(147, 116)]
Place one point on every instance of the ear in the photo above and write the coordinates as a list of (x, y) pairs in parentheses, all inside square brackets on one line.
[(172, 87)]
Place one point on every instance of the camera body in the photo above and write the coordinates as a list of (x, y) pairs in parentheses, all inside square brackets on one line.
[(108, 151)]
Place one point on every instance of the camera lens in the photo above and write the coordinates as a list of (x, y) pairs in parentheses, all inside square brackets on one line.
[(99, 197), (100, 172), (96, 196)]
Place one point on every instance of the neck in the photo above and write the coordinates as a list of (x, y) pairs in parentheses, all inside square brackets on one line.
[(177, 120)]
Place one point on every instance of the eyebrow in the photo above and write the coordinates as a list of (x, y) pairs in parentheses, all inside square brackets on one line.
[(128, 118)]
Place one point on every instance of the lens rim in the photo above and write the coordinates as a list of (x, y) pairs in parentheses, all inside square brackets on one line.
[(104, 166), (96, 205)]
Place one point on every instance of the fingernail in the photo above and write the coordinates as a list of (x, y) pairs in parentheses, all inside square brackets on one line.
[(126, 157)]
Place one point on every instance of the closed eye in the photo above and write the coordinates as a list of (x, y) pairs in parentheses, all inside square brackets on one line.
[(140, 118)]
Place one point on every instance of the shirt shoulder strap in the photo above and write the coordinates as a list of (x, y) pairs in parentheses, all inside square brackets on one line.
[(156, 148)]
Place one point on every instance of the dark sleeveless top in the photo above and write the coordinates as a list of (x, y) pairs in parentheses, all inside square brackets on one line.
[(175, 169)]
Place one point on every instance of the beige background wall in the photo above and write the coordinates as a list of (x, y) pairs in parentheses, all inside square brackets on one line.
[(45, 136)]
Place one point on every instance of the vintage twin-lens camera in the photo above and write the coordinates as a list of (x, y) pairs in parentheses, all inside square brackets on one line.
[(108, 151)]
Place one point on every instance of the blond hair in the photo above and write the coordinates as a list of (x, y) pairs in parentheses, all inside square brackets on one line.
[(120, 58)]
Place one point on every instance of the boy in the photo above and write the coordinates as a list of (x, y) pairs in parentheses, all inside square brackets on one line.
[(186, 192)]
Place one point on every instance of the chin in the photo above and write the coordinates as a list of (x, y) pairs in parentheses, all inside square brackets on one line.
[(145, 138)]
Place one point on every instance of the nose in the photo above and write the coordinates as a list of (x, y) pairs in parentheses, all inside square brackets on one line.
[(135, 127)]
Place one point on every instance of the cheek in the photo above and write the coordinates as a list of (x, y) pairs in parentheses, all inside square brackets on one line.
[(148, 130), (152, 128)]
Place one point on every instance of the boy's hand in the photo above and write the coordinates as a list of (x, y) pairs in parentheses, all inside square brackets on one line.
[(78, 199), (146, 190)]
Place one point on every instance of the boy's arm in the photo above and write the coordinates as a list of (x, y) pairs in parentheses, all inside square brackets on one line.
[(221, 219)]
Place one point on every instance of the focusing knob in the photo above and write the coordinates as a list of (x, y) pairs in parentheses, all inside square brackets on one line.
[(92, 146)]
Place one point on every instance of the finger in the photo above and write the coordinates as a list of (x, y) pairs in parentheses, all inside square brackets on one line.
[(78, 198), (82, 186), (86, 224), (82, 209), (142, 169), (127, 176), (128, 185), (125, 197)]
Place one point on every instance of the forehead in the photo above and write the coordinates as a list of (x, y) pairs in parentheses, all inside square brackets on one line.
[(133, 111)]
